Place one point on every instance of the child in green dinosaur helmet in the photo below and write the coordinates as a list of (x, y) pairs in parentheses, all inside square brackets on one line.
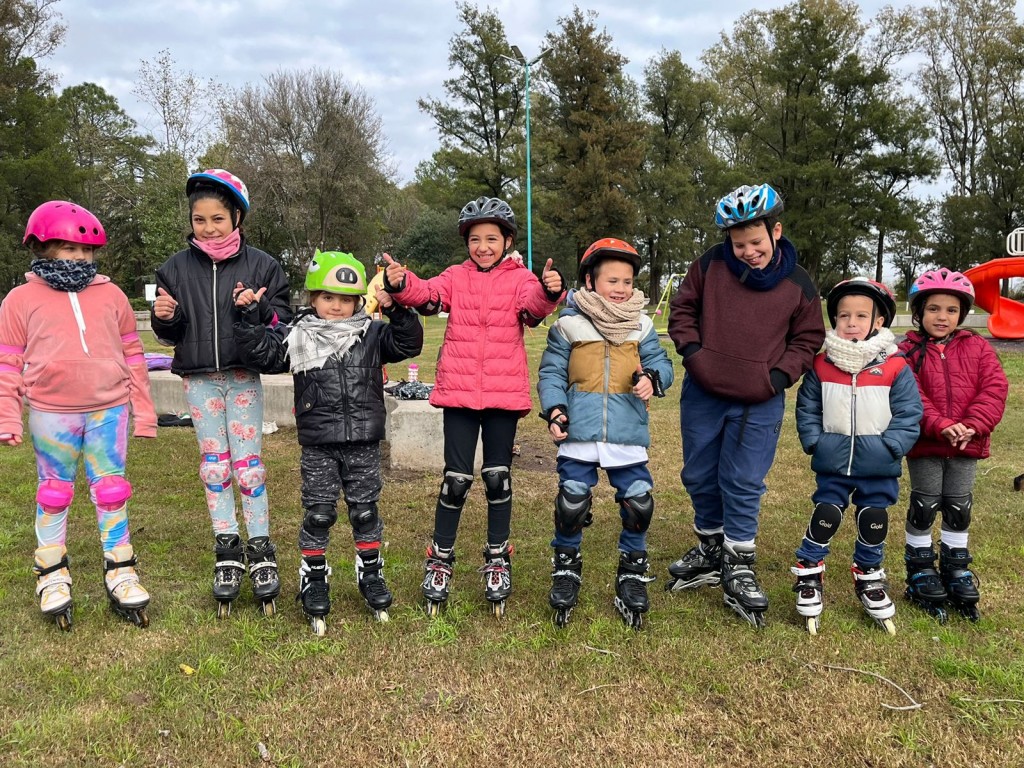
[(335, 352)]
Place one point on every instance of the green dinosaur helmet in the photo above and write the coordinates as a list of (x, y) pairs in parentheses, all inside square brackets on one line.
[(336, 272)]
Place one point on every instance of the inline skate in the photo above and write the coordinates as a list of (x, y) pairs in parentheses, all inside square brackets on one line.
[(227, 571), (631, 587), (741, 592), (127, 597), (924, 587), (566, 579), (261, 557), (437, 579), (497, 572), (873, 591), (53, 584), (700, 566), (370, 578), (960, 581), (810, 592), (315, 592)]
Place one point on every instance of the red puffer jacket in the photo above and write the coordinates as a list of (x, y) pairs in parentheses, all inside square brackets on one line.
[(482, 362), (960, 381)]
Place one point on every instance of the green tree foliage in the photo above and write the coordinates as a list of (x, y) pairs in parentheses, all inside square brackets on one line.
[(431, 244)]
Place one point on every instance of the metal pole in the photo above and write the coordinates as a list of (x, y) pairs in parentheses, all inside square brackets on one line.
[(529, 197)]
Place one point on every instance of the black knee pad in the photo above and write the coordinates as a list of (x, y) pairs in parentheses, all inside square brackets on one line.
[(637, 512), (872, 525), (825, 521), (363, 517), (923, 509), (319, 518), (572, 511), (454, 490), (497, 484), (956, 512)]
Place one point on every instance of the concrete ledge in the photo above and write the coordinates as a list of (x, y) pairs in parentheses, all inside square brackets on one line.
[(415, 435), (278, 403)]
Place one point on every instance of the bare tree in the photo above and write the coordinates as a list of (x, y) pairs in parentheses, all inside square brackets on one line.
[(180, 102)]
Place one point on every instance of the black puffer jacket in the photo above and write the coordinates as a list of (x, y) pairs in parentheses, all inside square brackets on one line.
[(343, 402), (201, 329)]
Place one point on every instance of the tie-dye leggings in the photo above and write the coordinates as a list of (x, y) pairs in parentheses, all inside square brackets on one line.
[(227, 413), (100, 438)]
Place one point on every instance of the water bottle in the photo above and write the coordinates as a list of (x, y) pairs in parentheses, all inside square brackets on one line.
[(414, 372)]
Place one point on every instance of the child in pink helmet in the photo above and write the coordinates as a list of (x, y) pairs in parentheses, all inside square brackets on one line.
[(69, 344), (963, 388)]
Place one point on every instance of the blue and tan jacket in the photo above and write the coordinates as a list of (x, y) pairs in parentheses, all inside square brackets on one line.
[(593, 378), (860, 424)]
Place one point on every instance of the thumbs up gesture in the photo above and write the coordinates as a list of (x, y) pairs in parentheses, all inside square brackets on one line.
[(165, 306), (552, 280), (643, 387), (394, 273)]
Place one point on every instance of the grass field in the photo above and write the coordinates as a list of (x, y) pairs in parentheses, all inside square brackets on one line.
[(695, 687)]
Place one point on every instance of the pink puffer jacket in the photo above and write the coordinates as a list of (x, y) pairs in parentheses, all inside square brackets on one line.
[(482, 362)]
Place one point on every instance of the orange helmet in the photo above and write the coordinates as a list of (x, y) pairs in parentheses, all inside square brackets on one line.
[(607, 248)]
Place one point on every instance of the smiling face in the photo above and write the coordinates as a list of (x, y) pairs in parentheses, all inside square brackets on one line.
[(752, 245), (940, 314), (487, 244), (211, 219), (613, 280), (853, 318)]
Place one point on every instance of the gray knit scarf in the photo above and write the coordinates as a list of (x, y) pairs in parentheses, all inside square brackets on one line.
[(613, 321), (313, 340)]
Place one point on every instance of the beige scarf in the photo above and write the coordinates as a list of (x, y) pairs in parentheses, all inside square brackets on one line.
[(613, 321)]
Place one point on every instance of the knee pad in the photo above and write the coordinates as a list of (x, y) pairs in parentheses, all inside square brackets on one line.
[(454, 490), (497, 484), (318, 519), (572, 511), (251, 475), (55, 495), (364, 517), (215, 471), (637, 512), (825, 521), (956, 511), (872, 525), (923, 509), (110, 493)]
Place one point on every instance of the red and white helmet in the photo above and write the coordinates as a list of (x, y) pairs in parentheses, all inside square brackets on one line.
[(942, 280), (64, 220), (223, 180)]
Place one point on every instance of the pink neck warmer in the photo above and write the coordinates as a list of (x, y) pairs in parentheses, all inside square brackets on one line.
[(222, 248)]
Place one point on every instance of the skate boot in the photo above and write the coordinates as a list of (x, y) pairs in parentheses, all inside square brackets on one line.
[(315, 592), (741, 592), (810, 592), (262, 559), (497, 571), (960, 582), (700, 566), (128, 598), (631, 587), (924, 587), (53, 584), (227, 571), (373, 588), (438, 578), (566, 578), (873, 591)]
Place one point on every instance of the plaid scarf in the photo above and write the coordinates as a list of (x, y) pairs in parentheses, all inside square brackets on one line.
[(313, 340), (613, 321)]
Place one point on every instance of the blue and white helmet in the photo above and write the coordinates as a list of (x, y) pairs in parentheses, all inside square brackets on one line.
[(746, 204)]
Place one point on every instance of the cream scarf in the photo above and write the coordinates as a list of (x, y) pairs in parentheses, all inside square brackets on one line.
[(853, 356), (613, 321)]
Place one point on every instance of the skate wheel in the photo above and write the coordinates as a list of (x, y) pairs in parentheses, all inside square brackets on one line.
[(223, 610), (498, 609), (812, 625), (889, 626), (319, 626), (433, 609), (670, 585), (562, 617), (64, 621), (382, 616), (759, 621), (269, 608), (638, 622), (141, 618)]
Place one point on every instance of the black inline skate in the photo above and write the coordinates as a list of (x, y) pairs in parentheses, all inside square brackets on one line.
[(261, 556), (741, 592), (127, 597), (227, 571), (437, 579), (566, 579), (53, 584), (960, 581), (924, 587), (370, 578), (700, 566), (497, 572), (315, 592), (631, 587)]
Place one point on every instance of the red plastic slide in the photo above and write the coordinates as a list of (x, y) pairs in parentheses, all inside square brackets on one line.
[(1006, 316)]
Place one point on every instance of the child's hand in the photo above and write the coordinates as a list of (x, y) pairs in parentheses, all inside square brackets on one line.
[(246, 296), (393, 272), (959, 435), (8, 439), (558, 421), (644, 387), (384, 299), (165, 305), (551, 279)]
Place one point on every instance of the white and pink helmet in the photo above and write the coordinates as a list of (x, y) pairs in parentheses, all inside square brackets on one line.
[(942, 280), (64, 220), (223, 180)]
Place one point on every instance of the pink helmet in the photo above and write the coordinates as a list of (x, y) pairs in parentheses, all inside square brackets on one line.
[(63, 220), (225, 181), (942, 280)]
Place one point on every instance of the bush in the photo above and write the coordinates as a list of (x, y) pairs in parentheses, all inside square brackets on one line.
[(139, 304)]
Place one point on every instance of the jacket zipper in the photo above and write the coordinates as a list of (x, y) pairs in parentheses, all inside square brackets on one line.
[(216, 336), (853, 421), (604, 404)]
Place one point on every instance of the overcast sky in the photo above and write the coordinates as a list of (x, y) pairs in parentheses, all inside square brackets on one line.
[(397, 50)]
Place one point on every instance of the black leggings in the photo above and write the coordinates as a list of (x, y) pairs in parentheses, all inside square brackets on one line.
[(462, 428)]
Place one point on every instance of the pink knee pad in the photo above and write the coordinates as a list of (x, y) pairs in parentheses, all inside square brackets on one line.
[(55, 495), (111, 492), (215, 471), (251, 474)]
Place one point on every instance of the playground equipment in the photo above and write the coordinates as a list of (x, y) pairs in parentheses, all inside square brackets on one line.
[(1006, 315), (661, 308)]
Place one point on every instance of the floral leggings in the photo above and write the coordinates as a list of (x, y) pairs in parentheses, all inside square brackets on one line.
[(227, 413)]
